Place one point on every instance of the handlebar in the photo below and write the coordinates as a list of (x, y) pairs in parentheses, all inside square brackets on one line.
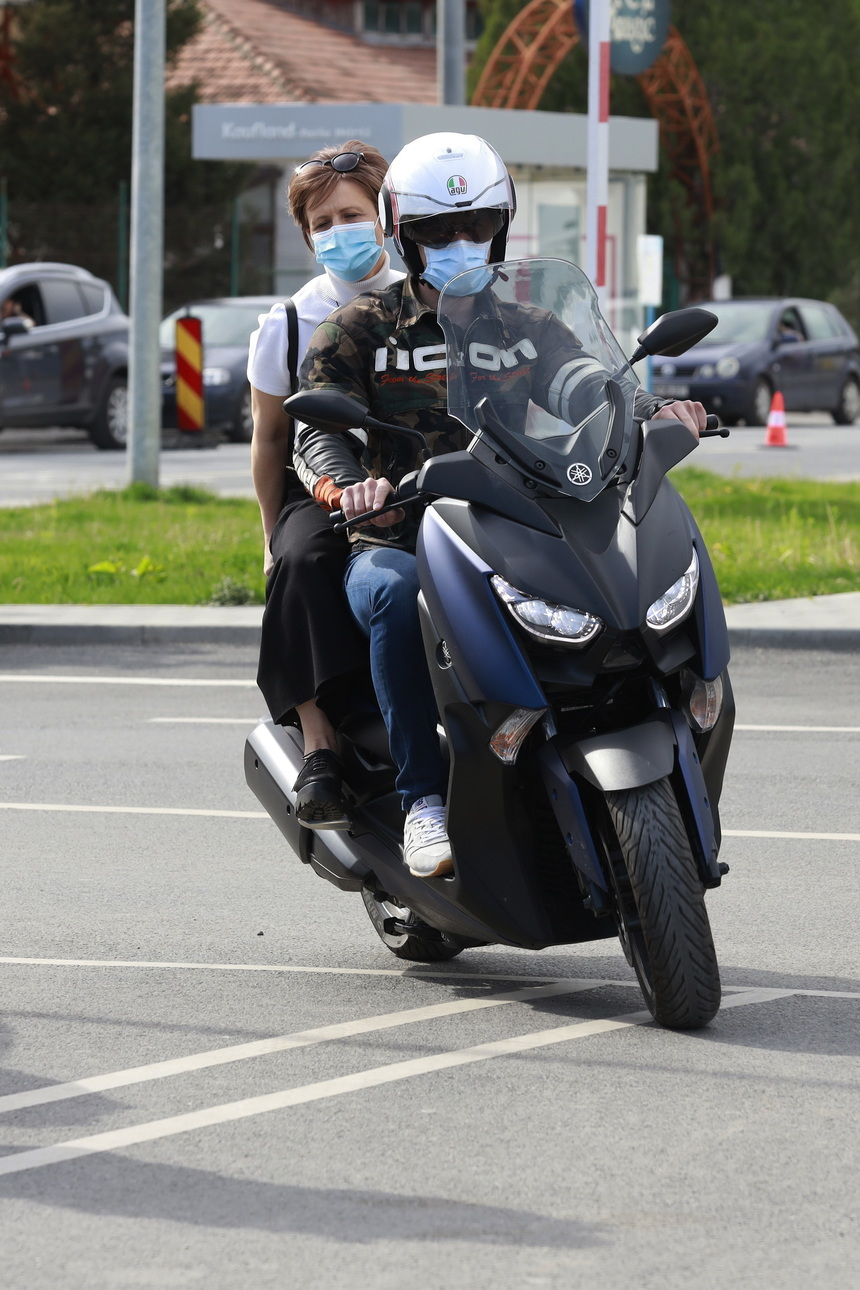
[(394, 503), (713, 429)]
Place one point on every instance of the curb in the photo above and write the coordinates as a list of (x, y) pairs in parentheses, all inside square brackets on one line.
[(839, 640)]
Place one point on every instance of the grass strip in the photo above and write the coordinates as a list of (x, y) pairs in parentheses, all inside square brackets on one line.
[(775, 539), (769, 539), (138, 546)]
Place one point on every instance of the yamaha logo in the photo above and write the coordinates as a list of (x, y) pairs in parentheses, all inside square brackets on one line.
[(457, 186), (579, 473)]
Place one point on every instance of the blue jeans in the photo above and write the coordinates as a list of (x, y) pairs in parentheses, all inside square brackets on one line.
[(382, 589)]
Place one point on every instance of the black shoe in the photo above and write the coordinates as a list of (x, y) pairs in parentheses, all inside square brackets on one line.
[(320, 803)]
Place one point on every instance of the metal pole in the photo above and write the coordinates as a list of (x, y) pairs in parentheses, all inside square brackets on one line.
[(451, 51), (4, 220), (147, 241), (234, 248), (598, 144), (122, 246)]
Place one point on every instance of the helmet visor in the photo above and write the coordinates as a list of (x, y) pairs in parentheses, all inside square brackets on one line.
[(440, 230)]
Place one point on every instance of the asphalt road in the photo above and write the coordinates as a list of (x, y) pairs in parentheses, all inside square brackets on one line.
[(37, 466), (151, 917)]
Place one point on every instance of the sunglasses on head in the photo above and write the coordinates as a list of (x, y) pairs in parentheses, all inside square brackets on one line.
[(441, 230), (342, 163)]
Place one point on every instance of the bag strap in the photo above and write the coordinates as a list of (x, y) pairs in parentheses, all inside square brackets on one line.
[(292, 343)]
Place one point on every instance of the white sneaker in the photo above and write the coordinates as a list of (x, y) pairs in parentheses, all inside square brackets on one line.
[(426, 849)]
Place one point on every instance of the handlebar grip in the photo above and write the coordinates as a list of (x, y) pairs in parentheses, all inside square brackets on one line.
[(713, 428)]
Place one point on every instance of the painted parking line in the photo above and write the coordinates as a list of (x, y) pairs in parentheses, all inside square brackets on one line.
[(394, 1072), (35, 678), (202, 721), (815, 730), (802, 837), (414, 972), (282, 1043), (262, 815), (132, 810)]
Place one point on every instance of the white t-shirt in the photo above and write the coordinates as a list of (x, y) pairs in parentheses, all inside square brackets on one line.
[(268, 369)]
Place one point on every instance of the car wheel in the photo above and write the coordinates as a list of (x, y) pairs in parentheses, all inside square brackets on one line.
[(109, 429), (848, 408), (758, 409), (242, 427)]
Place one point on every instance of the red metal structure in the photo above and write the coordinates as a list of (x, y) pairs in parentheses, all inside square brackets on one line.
[(522, 64)]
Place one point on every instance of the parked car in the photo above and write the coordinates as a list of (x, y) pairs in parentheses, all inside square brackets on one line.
[(803, 348), (63, 352), (227, 326)]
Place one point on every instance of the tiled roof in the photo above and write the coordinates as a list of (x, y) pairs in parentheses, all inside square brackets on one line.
[(253, 51)]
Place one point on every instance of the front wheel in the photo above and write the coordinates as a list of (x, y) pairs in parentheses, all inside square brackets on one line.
[(758, 410), (424, 945), (109, 429), (848, 408), (660, 907)]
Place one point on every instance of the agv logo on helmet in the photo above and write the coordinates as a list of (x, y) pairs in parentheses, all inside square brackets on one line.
[(457, 186)]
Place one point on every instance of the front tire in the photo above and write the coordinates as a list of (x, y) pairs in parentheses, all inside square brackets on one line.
[(848, 408), (758, 409), (109, 430), (660, 907), (417, 948)]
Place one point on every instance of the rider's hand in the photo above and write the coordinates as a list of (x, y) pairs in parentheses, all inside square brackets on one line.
[(693, 415), (369, 495)]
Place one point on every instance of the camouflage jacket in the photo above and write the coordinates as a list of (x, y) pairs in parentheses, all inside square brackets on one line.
[(387, 350)]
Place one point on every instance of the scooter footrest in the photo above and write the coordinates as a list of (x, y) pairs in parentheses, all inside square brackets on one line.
[(397, 927)]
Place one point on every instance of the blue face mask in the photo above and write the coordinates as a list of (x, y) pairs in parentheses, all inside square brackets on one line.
[(349, 250), (458, 257)]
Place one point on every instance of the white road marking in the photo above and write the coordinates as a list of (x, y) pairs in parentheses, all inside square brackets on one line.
[(13, 756), (280, 1043), (202, 721), (34, 678), (820, 730), (262, 815), (412, 973), (132, 810), (373, 1078), (804, 837)]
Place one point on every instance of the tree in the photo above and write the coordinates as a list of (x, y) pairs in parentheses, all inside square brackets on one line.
[(785, 98), (65, 135)]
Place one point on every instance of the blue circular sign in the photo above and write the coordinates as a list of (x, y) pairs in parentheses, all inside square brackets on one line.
[(638, 31)]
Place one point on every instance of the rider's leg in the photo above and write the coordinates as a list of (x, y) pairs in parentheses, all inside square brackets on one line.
[(382, 590)]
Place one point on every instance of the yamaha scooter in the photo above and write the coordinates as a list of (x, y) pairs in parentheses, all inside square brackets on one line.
[(577, 644)]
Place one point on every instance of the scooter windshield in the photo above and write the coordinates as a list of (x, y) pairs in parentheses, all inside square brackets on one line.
[(533, 365)]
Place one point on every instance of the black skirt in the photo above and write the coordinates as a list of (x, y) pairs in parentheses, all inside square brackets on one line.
[(310, 645)]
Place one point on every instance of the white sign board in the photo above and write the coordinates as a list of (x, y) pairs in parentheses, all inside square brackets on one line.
[(649, 251)]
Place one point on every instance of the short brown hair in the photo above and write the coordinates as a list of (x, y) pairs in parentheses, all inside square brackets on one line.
[(315, 182)]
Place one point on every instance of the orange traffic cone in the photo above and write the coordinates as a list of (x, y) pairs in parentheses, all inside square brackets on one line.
[(776, 431)]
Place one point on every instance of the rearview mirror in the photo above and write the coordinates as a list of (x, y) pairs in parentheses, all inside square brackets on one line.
[(327, 410), (675, 333)]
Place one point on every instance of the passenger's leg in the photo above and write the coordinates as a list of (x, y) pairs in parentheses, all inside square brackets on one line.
[(382, 590)]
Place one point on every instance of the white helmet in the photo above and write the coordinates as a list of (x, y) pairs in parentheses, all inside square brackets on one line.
[(436, 178)]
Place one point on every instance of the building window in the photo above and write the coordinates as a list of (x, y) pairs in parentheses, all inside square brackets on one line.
[(412, 18)]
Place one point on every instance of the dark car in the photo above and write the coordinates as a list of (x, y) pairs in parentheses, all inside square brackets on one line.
[(803, 348), (226, 328), (63, 352)]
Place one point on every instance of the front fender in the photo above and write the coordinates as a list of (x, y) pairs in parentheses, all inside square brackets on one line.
[(623, 758)]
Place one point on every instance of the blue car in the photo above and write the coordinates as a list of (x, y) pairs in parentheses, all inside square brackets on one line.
[(803, 348), (227, 326)]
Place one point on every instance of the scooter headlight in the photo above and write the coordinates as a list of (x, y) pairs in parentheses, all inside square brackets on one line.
[(676, 602), (558, 624)]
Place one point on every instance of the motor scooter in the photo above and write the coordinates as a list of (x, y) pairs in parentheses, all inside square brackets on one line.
[(578, 649)]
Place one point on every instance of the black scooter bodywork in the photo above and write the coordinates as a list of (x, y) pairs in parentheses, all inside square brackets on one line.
[(529, 838)]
